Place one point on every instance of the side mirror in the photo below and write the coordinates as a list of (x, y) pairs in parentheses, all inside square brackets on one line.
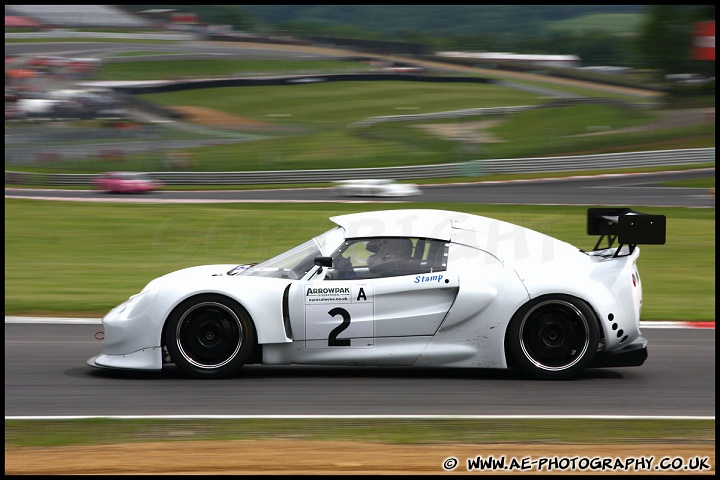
[(323, 261)]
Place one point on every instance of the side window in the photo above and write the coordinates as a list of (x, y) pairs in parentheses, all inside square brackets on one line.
[(387, 257)]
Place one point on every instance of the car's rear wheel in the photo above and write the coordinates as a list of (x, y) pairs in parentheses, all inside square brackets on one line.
[(553, 337), (209, 336)]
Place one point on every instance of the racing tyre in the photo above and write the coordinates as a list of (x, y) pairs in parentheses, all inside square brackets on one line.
[(209, 336), (553, 337)]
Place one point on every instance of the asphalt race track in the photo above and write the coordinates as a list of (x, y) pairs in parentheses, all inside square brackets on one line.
[(46, 375), (632, 190)]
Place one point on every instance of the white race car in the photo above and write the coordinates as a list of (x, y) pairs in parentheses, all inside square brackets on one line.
[(376, 187), (409, 287)]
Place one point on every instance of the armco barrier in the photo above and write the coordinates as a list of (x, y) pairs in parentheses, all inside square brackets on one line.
[(465, 169)]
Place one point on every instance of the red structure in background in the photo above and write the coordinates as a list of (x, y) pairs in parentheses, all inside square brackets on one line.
[(704, 41), (188, 18), (15, 21)]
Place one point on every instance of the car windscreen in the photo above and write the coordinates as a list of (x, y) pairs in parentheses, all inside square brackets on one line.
[(296, 262)]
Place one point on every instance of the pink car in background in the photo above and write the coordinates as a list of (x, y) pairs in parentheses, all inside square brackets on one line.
[(127, 182)]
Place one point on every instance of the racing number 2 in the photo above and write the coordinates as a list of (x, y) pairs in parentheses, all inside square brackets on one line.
[(333, 341)]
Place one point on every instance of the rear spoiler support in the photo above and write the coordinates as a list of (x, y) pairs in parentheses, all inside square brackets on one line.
[(626, 226)]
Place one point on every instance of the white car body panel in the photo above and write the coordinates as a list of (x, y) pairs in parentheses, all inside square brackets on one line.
[(386, 352), (145, 359), (455, 317), (397, 223), (393, 307)]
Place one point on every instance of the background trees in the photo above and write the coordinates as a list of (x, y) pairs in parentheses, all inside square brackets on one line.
[(639, 36)]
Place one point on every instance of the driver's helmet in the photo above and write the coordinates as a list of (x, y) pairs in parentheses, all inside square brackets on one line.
[(373, 246), (387, 249)]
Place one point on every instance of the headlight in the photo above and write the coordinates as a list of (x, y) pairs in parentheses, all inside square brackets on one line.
[(136, 304)]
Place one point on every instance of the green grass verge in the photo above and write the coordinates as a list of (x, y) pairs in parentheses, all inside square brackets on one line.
[(84, 258), (627, 23), (103, 431), (314, 143), (340, 103)]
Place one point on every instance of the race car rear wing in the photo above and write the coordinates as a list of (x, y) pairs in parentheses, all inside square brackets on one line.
[(626, 226)]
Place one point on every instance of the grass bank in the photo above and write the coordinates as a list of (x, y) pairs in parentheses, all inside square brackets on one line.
[(85, 258), (99, 431)]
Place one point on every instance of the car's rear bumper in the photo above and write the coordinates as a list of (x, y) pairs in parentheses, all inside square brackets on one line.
[(632, 355)]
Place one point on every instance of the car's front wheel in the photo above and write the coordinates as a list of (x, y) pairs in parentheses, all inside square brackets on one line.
[(553, 337), (209, 336)]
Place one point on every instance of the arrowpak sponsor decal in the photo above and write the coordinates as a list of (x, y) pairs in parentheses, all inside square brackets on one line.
[(339, 292), (327, 294)]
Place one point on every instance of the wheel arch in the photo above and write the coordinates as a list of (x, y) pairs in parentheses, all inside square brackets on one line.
[(540, 298), (601, 300), (256, 352)]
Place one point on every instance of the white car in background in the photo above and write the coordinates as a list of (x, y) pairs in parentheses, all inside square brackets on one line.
[(376, 187)]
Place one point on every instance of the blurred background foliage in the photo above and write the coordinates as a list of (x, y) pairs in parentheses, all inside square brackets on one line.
[(638, 36)]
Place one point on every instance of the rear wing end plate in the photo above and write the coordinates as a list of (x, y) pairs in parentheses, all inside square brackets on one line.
[(625, 226)]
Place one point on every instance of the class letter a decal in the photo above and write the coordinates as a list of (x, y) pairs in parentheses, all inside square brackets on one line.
[(361, 293)]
